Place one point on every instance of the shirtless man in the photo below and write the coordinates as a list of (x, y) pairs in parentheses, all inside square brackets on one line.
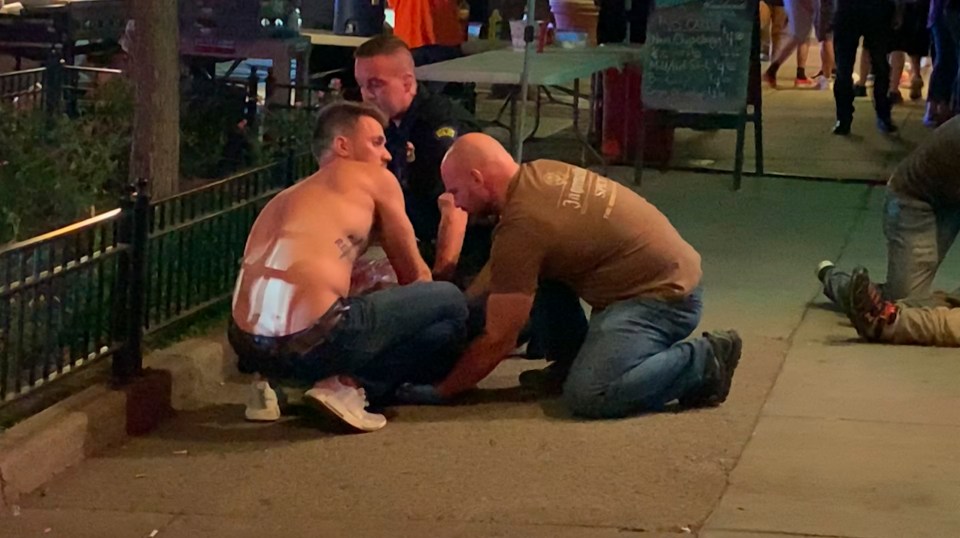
[(616, 251), (292, 316)]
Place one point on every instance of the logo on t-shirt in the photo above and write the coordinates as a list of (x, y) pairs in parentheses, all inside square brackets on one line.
[(573, 196), (554, 179)]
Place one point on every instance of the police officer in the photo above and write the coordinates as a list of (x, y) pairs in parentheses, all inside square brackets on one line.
[(422, 127)]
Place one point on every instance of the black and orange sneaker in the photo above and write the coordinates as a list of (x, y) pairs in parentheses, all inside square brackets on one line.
[(869, 312)]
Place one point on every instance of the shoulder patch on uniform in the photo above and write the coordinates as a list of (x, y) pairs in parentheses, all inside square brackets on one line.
[(446, 132)]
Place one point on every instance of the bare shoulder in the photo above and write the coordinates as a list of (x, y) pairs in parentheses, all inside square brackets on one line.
[(360, 174)]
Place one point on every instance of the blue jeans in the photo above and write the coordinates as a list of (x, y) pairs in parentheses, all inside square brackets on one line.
[(557, 325), (836, 286), (945, 63), (412, 333), (633, 358), (918, 238), (431, 54), (874, 23)]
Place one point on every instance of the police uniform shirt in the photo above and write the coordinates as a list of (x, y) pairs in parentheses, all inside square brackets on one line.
[(431, 124)]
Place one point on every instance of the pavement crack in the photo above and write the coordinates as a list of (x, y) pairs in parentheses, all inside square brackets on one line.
[(764, 533), (866, 421), (863, 209), (3, 490)]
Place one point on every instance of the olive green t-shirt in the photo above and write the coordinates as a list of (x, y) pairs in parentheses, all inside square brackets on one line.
[(606, 242)]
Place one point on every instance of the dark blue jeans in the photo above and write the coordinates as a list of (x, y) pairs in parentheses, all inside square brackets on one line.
[(875, 24), (944, 74), (951, 19), (412, 333), (557, 325), (634, 358), (431, 54)]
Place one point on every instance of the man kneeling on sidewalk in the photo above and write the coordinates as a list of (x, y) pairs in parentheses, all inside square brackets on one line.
[(921, 221), (616, 251), (292, 317)]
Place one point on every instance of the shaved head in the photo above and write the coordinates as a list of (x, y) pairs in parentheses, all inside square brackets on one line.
[(477, 171), (384, 71)]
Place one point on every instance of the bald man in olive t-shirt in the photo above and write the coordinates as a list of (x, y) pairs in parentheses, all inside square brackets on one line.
[(614, 249)]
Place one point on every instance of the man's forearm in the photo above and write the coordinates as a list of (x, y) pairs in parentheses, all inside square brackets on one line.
[(423, 272), (412, 270), (480, 285), (452, 230), (481, 358)]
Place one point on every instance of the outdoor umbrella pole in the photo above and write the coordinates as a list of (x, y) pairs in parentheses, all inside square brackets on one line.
[(528, 33)]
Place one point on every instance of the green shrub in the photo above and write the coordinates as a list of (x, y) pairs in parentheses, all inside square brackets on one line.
[(55, 170)]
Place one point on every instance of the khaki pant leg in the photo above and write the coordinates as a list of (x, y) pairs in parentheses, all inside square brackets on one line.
[(926, 326)]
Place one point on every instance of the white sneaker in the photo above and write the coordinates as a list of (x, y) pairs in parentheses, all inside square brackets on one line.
[(262, 404), (822, 269), (344, 403), (823, 82)]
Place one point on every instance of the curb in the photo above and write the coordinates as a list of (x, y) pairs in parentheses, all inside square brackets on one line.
[(35, 450)]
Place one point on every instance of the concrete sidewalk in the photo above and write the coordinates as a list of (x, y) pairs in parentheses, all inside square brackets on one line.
[(822, 436)]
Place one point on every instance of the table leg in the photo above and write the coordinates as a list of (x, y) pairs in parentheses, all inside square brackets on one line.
[(585, 146), (303, 77), (513, 119), (592, 117), (576, 119), (536, 117)]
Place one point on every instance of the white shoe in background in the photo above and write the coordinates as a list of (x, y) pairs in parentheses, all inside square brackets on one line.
[(345, 403), (262, 403), (823, 83)]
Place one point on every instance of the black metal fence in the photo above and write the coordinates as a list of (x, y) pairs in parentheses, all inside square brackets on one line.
[(55, 87), (94, 288), (23, 89)]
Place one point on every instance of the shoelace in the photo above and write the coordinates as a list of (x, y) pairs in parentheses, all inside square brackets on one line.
[(362, 395)]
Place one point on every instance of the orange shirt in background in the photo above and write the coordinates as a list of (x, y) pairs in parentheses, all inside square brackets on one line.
[(427, 22)]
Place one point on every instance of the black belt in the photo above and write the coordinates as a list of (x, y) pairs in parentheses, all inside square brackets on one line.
[(317, 334)]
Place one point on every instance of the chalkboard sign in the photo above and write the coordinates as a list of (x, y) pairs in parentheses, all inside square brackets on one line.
[(698, 55)]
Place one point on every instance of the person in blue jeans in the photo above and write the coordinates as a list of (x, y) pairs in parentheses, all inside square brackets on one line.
[(873, 20), (944, 75), (607, 245), (293, 316), (921, 219)]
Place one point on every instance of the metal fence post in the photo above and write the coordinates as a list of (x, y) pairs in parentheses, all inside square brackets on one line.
[(53, 82), (289, 156), (134, 231), (250, 108), (270, 88)]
